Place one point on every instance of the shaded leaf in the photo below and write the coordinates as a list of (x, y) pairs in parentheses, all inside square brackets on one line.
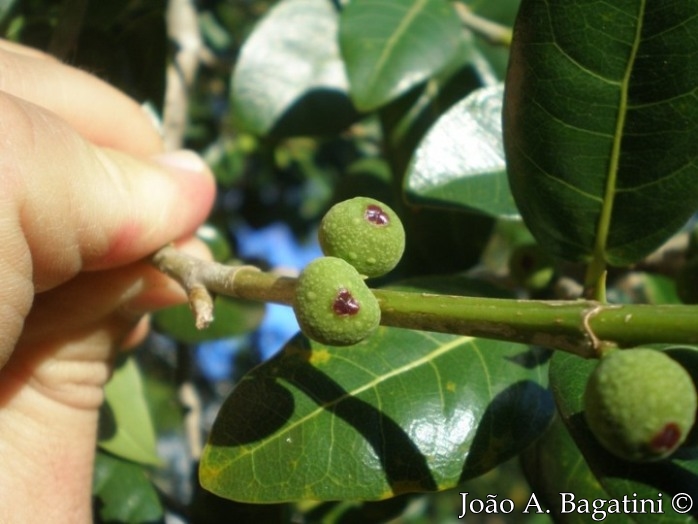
[(554, 465), (289, 78), (406, 120), (126, 44), (349, 512), (125, 424), (403, 411), (460, 162), (601, 123), (207, 508), (6, 7), (232, 317), (124, 492), (656, 481), (393, 45)]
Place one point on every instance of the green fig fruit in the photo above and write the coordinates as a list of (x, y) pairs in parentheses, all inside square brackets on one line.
[(531, 267), (640, 404), (333, 304), (364, 232)]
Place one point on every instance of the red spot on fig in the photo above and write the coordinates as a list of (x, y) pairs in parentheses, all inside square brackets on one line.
[(666, 439), (375, 215), (345, 303)]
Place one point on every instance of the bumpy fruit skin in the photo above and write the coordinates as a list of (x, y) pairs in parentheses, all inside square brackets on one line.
[(640, 404), (364, 232), (333, 304)]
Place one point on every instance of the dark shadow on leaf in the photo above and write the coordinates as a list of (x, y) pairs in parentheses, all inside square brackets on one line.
[(508, 425), (405, 466), (265, 406), (320, 111), (261, 407), (107, 422), (208, 508), (107, 426), (533, 357)]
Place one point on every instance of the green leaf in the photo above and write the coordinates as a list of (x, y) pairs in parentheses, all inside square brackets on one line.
[(217, 241), (289, 78), (403, 411), (460, 162), (554, 465), (232, 317), (601, 122), (656, 481), (125, 425), (128, 46), (406, 120), (124, 492), (494, 57), (5, 8), (392, 45)]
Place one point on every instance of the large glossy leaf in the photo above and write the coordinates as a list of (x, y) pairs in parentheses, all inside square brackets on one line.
[(403, 411), (554, 465), (601, 124), (125, 425), (460, 163), (657, 481), (124, 492), (392, 45), (289, 78)]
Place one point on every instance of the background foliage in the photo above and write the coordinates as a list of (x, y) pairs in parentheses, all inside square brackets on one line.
[(298, 104)]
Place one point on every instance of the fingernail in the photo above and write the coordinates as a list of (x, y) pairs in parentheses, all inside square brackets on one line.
[(183, 160)]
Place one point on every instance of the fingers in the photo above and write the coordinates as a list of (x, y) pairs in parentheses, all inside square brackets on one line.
[(80, 207), (101, 113), (118, 298), (74, 331)]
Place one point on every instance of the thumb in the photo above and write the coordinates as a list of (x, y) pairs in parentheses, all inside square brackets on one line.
[(81, 207)]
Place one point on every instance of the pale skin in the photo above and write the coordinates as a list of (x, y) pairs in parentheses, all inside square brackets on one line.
[(85, 196)]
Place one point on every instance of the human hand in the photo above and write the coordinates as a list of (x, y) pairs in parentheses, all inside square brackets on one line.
[(85, 195)]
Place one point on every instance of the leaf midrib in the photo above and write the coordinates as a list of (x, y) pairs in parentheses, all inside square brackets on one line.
[(597, 267), (394, 39)]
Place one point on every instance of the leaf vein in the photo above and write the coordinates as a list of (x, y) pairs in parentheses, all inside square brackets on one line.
[(427, 358)]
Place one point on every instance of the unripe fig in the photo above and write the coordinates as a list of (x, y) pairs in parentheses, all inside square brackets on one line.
[(640, 404), (364, 232), (531, 267), (333, 304)]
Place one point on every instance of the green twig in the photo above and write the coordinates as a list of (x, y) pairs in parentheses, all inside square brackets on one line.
[(584, 327)]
